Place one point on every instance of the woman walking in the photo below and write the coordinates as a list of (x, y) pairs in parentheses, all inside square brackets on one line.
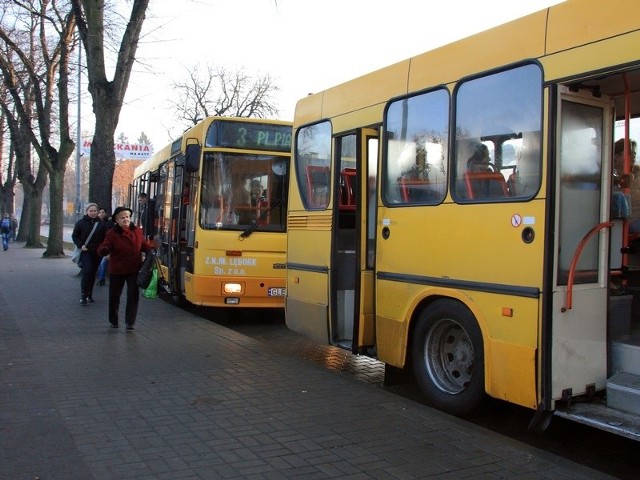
[(104, 263), (124, 244), (88, 233)]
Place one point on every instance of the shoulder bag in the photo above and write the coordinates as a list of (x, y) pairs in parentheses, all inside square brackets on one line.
[(75, 255)]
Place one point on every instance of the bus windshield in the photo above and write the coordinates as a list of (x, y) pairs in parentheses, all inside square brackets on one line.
[(240, 190)]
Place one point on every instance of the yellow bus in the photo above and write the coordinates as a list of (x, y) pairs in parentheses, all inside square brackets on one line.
[(217, 206), (456, 213)]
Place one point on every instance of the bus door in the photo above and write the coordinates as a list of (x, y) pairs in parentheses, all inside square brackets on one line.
[(181, 233), (583, 192), (171, 255), (177, 241), (353, 241)]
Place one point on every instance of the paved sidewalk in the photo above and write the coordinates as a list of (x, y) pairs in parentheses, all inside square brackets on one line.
[(184, 398)]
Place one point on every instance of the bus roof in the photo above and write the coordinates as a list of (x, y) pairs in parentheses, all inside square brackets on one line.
[(559, 28)]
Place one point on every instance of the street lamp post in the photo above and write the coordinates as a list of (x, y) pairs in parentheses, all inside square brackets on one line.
[(78, 139)]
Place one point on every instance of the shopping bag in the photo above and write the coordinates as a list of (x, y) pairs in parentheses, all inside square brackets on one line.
[(152, 289)]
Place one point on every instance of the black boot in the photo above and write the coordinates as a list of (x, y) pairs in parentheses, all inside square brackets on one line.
[(83, 301), (89, 299)]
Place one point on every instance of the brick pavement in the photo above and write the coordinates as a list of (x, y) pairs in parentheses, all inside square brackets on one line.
[(185, 398)]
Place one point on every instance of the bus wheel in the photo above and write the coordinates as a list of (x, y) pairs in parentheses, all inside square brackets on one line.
[(448, 357)]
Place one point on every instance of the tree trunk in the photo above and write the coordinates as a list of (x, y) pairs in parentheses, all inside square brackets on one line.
[(35, 209), (23, 168), (103, 160), (55, 246), (23, 228)]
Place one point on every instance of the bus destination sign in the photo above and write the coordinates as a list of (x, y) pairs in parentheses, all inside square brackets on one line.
[(250, 136)]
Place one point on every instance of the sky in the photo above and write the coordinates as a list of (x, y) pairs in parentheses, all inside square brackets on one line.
[(304, 46)]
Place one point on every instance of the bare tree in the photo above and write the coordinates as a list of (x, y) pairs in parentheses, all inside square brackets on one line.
[(20, 145), (39, 68), (32, 185), (218, 92), (8, 172), (107, 95)]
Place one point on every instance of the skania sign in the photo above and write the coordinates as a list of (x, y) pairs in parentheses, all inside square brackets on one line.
[(130, 151)]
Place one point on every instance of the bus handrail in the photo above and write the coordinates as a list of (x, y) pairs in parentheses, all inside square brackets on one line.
[(574, 262)]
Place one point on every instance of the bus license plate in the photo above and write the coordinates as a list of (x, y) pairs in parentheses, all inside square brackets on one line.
[(276, 292)]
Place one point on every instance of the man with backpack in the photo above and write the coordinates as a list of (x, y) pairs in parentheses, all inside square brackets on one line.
[(5, 229)]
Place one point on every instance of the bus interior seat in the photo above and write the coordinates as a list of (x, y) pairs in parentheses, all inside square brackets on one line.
[(482, 185), (417, 190), (511, 185), (317, 184), (262, 208), (347, 193)]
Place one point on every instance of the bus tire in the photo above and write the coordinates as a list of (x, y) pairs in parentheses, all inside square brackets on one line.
[(448, 357)]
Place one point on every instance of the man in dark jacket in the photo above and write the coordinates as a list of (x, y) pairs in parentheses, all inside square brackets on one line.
[(147, 215), (88, 233)]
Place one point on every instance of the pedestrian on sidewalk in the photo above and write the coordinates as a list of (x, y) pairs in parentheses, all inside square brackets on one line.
[(124, 244), (146, 217), (5, 230), (104, 263), (14, 228), (88, 233)]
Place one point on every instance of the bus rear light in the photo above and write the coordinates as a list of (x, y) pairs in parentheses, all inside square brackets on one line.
[(234, 253), (231, 288), (232, 300)]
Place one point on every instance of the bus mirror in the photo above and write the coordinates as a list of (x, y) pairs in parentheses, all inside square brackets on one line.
[(192, 157)]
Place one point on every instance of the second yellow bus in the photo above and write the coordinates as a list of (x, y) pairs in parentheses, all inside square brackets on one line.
[(217, 207)]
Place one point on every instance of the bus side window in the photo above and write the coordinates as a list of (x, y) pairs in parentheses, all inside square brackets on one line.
[(498, 125), (415, 169)]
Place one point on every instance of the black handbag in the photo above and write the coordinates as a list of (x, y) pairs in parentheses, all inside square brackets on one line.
[(144, 275)]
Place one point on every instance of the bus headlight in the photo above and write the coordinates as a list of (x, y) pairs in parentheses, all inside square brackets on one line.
[(231, 288)]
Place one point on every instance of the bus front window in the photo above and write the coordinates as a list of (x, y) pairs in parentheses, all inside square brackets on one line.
[(242, 190)]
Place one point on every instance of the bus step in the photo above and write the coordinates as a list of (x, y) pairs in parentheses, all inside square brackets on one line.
[(599, 416), (625, 356), (623, 392)]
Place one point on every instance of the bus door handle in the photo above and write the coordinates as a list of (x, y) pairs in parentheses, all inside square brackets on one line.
[(386, 232), (574, 262)]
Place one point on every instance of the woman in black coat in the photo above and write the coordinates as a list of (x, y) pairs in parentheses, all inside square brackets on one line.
[(89, 259)]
